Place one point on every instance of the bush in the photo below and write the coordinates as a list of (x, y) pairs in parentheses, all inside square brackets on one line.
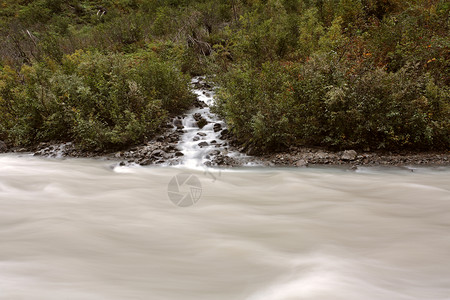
[(101, 101), (326, 102)]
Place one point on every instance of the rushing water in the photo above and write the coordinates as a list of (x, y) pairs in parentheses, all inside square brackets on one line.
[(79, 229), (200, 145), (194, 154)]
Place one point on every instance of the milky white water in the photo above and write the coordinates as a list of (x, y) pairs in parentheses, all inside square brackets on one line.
[(195, 155), (79, 229)]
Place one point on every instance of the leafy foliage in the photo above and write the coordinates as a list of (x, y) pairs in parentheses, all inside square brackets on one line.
[(335, 73), (100, 101)]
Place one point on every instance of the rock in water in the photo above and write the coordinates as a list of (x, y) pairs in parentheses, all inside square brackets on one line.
[(201, 123), (203, 144), (158, 153), (178, 123), (217, 127), (349, 155), (197, 117)]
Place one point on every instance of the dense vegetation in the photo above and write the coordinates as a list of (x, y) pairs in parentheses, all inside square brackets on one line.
[(334, 73)]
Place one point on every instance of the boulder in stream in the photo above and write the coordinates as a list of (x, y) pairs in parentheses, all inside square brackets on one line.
[(201, 123), (217, 127)]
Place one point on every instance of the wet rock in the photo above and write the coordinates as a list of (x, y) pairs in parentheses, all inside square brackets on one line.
[(197, 116), (3, 147), (201, 123), (217, 127), (179, 153), (169, 148), (168, 155), (158, 153), (301, 163), (196, 138), (178, 123), (145, 162), (200, 104), (214, 152), (223, 160), (203, 144), (224, 134), (201, 133), (349, 155), (213, 142)]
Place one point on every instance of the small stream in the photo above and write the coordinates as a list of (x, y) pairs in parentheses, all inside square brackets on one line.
[(204, 145)]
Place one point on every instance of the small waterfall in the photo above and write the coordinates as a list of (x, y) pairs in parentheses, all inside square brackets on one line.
[(203, 140)]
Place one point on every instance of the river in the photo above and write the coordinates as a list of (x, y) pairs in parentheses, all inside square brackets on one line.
[(86, 229)]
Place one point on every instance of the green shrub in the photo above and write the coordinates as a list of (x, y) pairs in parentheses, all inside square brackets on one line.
[(100, 101), (326, 102)]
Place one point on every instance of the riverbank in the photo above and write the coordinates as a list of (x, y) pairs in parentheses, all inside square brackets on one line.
[(163, 151), (200, 137)]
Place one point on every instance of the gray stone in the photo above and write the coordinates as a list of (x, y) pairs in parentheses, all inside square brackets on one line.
[(214, 152), (217, 127), (349, 155), (301, 163), (201, 123), (203, 144), (321, 155), (145, 162), (158, 153), (197, 117)]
